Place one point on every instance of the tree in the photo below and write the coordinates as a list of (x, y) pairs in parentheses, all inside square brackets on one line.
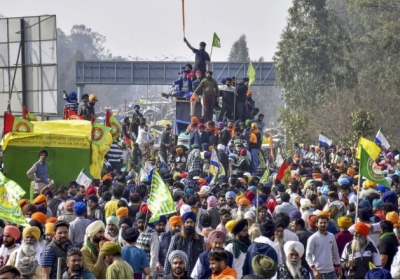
[(312, 64), (239, 51)]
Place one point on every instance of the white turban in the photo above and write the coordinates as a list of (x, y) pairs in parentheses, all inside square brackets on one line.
[(221, 147), (184, 209), (94, 228), (293, 245)]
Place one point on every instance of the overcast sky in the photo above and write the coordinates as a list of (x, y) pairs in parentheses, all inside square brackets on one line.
[(152, 29)]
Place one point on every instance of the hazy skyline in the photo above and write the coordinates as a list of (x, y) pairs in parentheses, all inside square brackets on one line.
[(153, 29)]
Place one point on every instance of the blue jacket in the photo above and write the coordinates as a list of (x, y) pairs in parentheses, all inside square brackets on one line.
[(179, 82), (205, 264), (257, 249)]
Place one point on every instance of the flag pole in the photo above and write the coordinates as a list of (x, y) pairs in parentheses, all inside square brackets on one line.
[(211, 51), (183, 17), (234, 100), (359, 185)]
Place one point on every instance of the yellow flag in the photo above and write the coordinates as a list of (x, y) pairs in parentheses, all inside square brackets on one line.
[(369, 146)]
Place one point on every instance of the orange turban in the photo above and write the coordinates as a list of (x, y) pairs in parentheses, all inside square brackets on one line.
[(51, 220), (325, 214), (122, 212), (351, 171), (40, 200), (175, 220), (362, 229), (39, 216), (107, 177), (317, 176), (244, 201), (23, 202)]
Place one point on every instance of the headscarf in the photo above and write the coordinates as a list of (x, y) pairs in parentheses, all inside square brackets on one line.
[(80, 208), (130, 234), (212, 201), (110, 248), (175, 220), (362, 229), (13, 231), (293, 245), (216, 234), (122, 212), (49, 228), (378, 273), (112, 220), (178, 254), (264, 266), (94, 228), (35, 231), (162, 219), (39, 216), (40, 200), (189, 215), (344, 222), (230, 194)]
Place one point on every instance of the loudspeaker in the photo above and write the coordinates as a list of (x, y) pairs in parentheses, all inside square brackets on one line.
[(183, 110)]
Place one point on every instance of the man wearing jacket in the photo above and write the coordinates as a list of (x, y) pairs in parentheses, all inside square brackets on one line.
[(210, 89), (183, 87), (241, 106), (200, 136)]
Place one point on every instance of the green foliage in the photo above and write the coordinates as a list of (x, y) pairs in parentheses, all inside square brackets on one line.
[(239, 51), (362, 124)]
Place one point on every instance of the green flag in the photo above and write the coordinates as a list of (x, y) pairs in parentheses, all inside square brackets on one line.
[(22, 125), (251, 73), (216, 41), (99, 133), (160, 201), (10, 194), (265, 177), (370, 170)]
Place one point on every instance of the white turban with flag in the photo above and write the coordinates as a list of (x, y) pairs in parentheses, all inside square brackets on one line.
[(293, 245)]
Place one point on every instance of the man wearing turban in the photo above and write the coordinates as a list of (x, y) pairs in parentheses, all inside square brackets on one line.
[(148, 240), (93, 260), (359, 253), (202, 268), (292, 268), (239, 244), (178, 260), (78, 226), (160, 225), (243, 206), (118, 268), (187, 241), (112, 231), (344, 236), (175, 225), (30, 248), (10, 236)]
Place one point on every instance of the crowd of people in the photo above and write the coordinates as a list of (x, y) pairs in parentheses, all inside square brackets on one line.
[(325, 222)]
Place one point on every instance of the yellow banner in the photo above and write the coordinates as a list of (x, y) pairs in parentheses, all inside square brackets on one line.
[(50, 140)]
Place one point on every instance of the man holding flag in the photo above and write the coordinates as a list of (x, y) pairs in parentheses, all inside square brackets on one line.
[(202, 59)]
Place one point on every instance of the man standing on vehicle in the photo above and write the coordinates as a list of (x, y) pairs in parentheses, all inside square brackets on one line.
[(202, 59), (39, 172), (210, 93), (165, 144), (228, 100), (136, 120), (82, 108)]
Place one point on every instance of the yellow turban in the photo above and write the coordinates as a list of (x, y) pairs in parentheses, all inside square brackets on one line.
[(368, 184), (110, 248), (49, 228), (40, 200), (35, 231), (179, 150), (122, 212), (324, 213), (344, 222), (231, 224)]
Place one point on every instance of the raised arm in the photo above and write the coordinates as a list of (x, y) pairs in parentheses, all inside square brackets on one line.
[(188, 44)]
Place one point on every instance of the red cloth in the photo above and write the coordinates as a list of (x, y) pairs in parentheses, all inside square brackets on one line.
[(342, 238)]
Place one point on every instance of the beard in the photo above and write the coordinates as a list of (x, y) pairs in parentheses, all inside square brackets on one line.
[(97, 239), (240, 214), (177, 270), (358, 243), (294, 268), (245, 239), (29, 249), (8, 244), (279, 241), (141, 228), (189, 232)]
